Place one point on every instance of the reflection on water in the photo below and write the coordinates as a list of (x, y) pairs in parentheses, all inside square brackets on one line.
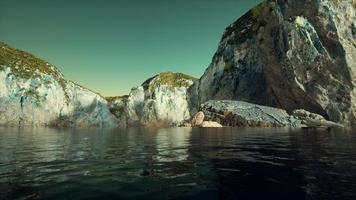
[(176, 163)]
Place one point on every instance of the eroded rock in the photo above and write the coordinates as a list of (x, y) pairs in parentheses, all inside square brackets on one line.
[(162, 98), (243, 114), (198, 119), (34, 92), (296, 54)]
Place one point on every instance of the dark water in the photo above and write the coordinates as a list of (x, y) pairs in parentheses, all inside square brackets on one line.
[(178, 163)]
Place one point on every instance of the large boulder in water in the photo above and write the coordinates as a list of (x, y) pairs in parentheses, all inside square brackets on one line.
[(243, 114), (291, 54)]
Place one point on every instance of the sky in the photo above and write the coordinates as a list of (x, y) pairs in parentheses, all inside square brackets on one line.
[(111, 46)]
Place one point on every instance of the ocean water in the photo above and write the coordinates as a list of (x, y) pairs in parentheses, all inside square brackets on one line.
[(177, 163)]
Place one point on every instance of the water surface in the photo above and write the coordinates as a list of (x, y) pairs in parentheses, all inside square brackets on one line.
[(177, 163)]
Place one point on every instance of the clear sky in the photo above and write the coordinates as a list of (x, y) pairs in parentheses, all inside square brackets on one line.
[(110, 46)]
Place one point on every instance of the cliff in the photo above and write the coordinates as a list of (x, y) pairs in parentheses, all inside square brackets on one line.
[(290, 54), (34, 92), (160, 101)]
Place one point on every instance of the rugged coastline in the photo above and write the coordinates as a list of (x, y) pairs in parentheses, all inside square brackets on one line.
[(279, 65)]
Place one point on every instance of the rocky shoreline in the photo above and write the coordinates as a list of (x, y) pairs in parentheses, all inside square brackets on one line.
[(279, 65), (242, 114)]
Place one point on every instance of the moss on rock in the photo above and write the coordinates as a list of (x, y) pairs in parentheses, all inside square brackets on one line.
[(25, 65), (170, 79), (114, 98)]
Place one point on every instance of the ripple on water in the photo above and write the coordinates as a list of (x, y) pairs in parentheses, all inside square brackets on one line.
[(176, 163)]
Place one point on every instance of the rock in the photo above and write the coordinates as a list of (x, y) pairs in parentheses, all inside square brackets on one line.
[(162, 98), (186, 124), (281, 54), (117, 106), (34, 92), (198, 119), (243, 114), (313, 120), (210, 124)]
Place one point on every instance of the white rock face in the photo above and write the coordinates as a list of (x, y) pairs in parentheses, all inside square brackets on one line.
[(162, 99), (33, 92)]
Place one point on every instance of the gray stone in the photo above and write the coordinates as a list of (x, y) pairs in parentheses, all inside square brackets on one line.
[(243, 114), (295, 54)]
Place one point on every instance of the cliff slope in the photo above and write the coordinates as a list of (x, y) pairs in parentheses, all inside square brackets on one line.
[(161, 100), (34, 92), (290, 54)]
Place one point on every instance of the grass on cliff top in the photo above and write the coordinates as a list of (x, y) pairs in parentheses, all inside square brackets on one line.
[(25, 65), (256, 11), (246, 26), (172, 80), (114, 98)]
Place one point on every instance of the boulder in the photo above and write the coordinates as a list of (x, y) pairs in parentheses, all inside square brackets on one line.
[(243, 114), (198, 119)]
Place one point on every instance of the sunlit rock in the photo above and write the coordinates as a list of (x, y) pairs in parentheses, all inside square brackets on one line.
[(210, 124), (34, 92), (296, 54), (159, 101), (243, 114)]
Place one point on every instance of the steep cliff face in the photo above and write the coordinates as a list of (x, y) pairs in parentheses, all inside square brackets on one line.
[(161, 100), (291, 54), (34, 92)]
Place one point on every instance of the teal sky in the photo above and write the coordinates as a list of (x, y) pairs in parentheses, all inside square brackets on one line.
[(110, 46)]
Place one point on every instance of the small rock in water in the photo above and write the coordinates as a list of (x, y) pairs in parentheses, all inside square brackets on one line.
[(145, 173)]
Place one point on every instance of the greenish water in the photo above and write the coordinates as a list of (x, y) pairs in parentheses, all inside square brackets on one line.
[(177, 163)]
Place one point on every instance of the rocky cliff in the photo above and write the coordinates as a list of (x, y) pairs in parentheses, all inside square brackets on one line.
[(160, 100), (291, 54), (288, 54), (34, 92)]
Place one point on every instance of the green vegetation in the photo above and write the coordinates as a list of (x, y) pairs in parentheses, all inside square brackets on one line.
[(34, 94), (228, 65), (117, 111), (256, 11), (114, 98), (246, 26), (172, 80), (25, 65)]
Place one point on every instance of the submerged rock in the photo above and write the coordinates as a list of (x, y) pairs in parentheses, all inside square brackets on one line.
[(34, 92), (295, 54), (243, 114)]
